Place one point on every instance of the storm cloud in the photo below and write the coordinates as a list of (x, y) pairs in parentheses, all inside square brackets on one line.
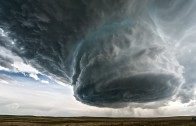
[(112, 52)]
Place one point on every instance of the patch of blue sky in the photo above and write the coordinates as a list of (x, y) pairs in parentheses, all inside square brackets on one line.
[(24, 76)]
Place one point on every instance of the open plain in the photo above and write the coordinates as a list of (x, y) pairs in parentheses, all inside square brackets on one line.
[(93, 121)]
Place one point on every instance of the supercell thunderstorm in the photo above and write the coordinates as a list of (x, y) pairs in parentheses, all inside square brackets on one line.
[(112, 52)]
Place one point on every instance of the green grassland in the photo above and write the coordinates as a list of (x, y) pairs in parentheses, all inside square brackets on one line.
[(93, 121)]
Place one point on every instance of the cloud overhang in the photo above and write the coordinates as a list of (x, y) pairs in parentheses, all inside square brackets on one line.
[(112, 52)]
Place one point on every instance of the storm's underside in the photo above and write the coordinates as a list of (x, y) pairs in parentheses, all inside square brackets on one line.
[(112, 52)]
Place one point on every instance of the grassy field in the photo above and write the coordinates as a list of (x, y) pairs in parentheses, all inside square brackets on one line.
[(93, 121)]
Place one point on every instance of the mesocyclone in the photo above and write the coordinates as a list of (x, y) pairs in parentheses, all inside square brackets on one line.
[(112, 52)]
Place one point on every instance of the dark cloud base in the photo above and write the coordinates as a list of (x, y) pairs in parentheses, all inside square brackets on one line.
[(140, 88)]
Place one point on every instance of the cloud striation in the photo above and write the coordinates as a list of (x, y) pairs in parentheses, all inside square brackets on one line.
[(112, 52)]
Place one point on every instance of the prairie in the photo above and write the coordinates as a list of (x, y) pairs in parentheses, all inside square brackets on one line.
[(7, 120)]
